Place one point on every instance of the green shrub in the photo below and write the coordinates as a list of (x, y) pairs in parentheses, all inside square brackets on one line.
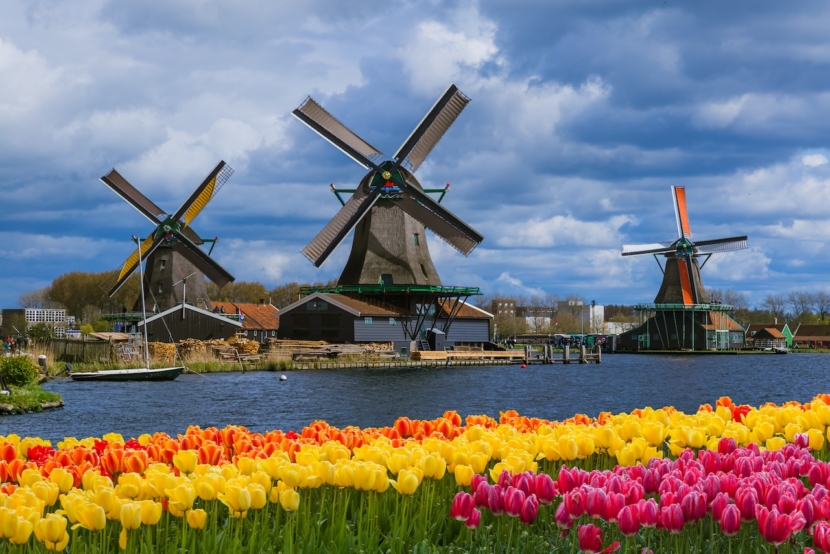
[(18, 371)]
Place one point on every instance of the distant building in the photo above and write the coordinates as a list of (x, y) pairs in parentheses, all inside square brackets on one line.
[(769, 337), (187, 322), (28, 317), (346, 319), (812, 336), (259, 321), (782, 328), (684, 330), (503, 308)]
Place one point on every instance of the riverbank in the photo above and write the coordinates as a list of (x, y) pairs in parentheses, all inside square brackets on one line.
[(29, 399)]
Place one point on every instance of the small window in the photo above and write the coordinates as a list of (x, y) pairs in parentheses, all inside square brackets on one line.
[(415, 239), (161, 266), (367, 320), (255, 332), (273, 333), (246, 333), (159, 289), (392, 321)]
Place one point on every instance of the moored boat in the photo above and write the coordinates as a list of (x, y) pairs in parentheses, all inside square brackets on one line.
[(140, 374)]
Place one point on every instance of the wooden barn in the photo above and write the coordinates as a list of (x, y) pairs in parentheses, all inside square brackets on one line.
[(259, 321), (753, 329), (189, 322), (346, 319)]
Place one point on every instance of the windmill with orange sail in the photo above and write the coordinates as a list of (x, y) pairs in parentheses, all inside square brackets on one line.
[(683, 317)]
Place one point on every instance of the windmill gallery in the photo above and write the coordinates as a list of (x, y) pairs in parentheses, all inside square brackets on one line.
[(389, 290)]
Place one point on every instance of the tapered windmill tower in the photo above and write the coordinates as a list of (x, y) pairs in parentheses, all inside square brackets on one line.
[(172, 250), (683, 317), (389, 212)]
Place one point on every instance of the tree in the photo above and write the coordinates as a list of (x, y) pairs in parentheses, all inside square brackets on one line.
[(801, 302), (821, 303), (81, 293), (776, 305), (38, 298)]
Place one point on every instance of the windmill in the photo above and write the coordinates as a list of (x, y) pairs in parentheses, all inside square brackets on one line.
[(682, 306), (173, 245), (389, 209)]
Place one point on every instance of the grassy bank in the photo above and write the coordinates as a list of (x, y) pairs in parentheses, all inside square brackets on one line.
[(29, 398)]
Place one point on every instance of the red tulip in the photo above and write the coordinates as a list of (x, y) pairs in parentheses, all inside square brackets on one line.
[(651, 481), (495, 500), (634, 492), (746, 500), (727, 445), (809, 509), (817, 474), (474, 519), (590, 540), (693, 506), (562, 518), (629, 520), (719, 504), (575, 503), (728, 483), (530, 509), (614, 502), (524, 483), (545, 488), (567, 480), (595, 503), (462, 506), (821, 536), (671, 518), (648, 512), (730, 520), (513, 500), (481, 495), (505, 479), (478, 479), (776, 527)]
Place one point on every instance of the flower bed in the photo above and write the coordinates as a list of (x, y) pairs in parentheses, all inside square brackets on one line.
[(725, 478)]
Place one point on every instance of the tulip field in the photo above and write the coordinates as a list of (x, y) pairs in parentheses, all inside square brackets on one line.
[(727, 478)]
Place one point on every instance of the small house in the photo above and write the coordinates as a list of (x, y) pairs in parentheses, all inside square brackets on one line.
[(769, 337), (189, 322), (259, 321), (812, 336), (782, 328)]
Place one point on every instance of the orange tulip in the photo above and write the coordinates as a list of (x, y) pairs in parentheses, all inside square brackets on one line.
[(8, 452), (111, 461), (135, 461), (210, 453)]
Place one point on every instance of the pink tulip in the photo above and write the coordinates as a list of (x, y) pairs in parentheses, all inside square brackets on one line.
[(562, 518), (513, 500), (727, 445), (575, 503), (595, 503), (524, 483), (746, 500), (590, 540), (730, 520), (648, 512), (776, 527), (566, 480), (495, 500), (530, 509), (474, 519), (671, 519), (545, 489), (693, 506), (482, 493), (478, 479), (629, 520), (462, 506), (505, 479), (614, 502), (719, 504)]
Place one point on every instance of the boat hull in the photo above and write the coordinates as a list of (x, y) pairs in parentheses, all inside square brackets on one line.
[(163, 374)]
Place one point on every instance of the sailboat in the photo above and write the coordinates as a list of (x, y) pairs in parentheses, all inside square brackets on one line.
[(139, 374)]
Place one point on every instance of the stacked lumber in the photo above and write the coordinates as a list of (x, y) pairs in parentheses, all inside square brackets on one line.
[(162, 352), (192, 348), (425, 355), (244, 346)]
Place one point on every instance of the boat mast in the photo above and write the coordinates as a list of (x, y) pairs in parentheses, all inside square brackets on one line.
[(143, 307)]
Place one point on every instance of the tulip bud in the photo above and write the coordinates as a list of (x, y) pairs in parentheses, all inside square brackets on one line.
[(629, 520), (196, 519), (530, 509), (495, 501), (545, 488), (648, 512), (290, 500), (513, 500), (730, 520), (462, 506)]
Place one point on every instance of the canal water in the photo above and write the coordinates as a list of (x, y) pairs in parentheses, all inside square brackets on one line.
[(261, 402)]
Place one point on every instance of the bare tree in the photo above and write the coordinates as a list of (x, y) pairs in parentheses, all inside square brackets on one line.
[(733, 298), (801, 302), (38, 298), (821, 303), (776, 305)]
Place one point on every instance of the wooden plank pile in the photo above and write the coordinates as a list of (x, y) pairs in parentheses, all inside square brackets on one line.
[(244, 346), (429, 355), (313, 350), (162, 352)]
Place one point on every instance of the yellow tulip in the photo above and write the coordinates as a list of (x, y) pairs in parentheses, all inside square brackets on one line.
[(325, 471), (145, 439), (29, 476), (654, 432), (407, 482), (626, 457), (207, 486), (364, 477), (8, 523), (196, 519), (186, 460), (51, 531), (463, 475), (271, 466), (263, 480), (63, 479), (229, 471), (150, 512), (776, 443), (568, 449), (46, 491), (246, 466), (91, 517), (258, 496), (344, 475), (129, 485), (478, 461), (290, 500), (381, 481), (237, 499), (291, 475), (131, 515), (103, 496), (23, 530), (180, 499), (791, 430), (816, 439)]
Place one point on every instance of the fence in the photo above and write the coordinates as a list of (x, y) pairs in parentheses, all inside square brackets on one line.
[(85, 351)]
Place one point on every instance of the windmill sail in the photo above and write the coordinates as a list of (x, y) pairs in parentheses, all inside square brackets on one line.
[(336, 230), (442, 222), (327, 126), (680, 213), (432, 127), (197, 201), (652, 248), (202, 261), (721, 245), (125, 190), (147, 247)]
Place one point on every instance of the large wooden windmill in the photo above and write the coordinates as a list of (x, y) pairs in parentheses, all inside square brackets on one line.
[(172, 250), (390, 264), (389, 209), (682, 316)]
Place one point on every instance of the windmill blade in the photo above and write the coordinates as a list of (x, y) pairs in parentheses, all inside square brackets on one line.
[(336, 230), (653, 248), (125, 190), (197, 201), (148, 246), (464, 240), (680, 214), (686, 281), (432, 127), (721, 245), (327, 126), (202, 261)]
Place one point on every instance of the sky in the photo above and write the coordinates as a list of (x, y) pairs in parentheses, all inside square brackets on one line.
[(583, 114)]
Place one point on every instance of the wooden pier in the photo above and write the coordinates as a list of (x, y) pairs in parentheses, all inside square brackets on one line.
[(547, 356)]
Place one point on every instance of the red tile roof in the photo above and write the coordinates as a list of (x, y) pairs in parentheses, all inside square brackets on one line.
[(812, 332), (257, 316), (720, 320), (769, 331), (755, 327)]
